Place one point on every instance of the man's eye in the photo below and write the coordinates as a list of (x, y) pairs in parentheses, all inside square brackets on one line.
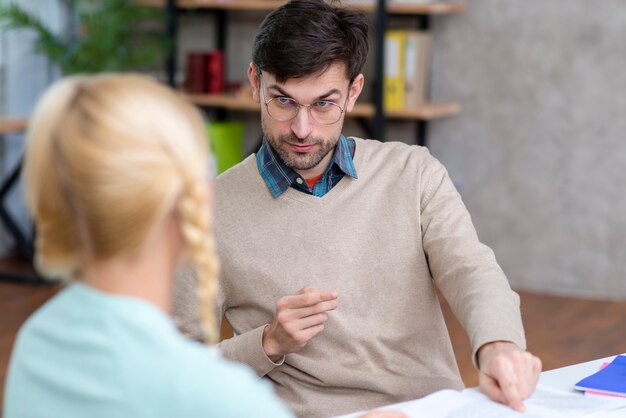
[(286, 101), (324, 105)]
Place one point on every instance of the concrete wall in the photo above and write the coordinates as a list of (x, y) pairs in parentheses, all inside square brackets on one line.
[(539, 152)]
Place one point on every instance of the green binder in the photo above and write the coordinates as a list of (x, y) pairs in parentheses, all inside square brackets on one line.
[(226, 140)]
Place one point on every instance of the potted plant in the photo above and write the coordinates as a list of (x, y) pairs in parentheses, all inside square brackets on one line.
[(105, 35)]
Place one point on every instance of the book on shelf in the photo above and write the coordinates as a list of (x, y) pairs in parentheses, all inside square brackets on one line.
[(195, 72), (406, 68), (215, 71), (204, 72)]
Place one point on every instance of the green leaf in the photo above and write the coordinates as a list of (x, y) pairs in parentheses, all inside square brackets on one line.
[(113, 36)]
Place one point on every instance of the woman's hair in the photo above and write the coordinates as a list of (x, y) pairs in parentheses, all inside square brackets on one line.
[(108, 158)]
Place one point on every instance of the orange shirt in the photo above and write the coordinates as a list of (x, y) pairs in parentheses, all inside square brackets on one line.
[(313, 180)]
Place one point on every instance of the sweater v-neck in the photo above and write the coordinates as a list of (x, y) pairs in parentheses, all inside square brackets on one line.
[(335, 192)]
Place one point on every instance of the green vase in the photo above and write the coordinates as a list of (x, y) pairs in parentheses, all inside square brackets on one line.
[(226, 140)]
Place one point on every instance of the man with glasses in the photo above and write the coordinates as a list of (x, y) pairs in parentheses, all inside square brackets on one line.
[(332, 247)]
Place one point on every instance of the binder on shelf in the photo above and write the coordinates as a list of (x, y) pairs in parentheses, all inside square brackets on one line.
[(416, 66), (215, 71), (393, 81), (195, 72)]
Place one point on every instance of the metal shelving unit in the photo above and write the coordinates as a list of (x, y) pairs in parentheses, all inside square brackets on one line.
[(372, 116)]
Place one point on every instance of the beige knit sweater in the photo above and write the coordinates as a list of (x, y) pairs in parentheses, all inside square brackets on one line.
[(383, 241)]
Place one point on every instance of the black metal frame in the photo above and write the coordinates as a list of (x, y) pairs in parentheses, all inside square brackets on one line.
[(380, 121), (23, 245), (171, 21)]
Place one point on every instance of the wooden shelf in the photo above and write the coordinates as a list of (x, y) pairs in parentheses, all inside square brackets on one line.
[(224, 101), (428, 111), (12, 125), (434, 8)]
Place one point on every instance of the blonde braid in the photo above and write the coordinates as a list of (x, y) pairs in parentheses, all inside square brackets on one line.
[(196, 226)]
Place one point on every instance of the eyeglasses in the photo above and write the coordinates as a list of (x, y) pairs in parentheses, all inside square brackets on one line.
[(284, 109)]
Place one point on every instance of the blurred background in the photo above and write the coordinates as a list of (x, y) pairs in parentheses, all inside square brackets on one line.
[(538, 151)]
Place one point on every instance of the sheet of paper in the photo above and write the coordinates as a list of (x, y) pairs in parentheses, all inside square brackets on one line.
[(471, 403), (547, 402)]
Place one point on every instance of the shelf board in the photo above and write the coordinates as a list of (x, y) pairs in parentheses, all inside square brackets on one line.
[(434, 8), (428, 111), (12, 125), (264, 5), (224, 101)]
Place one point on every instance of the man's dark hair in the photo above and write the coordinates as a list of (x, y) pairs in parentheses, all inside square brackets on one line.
[(305, 37)]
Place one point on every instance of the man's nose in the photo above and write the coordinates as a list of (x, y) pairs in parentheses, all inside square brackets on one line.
[(302, 124)]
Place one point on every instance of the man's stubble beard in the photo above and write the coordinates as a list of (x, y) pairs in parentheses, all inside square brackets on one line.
[(297, 161)]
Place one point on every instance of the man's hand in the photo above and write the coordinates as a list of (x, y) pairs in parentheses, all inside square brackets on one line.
[(298, 318), (507, 374)]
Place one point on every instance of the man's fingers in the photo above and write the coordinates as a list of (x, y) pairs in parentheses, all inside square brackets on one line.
[(511, 395), (306, 299), (533, 375), (507, 379), (311, 321), (315, 309), (307, 289), (496, 393), (526, 369), (490, 387), (307, 334), (298, 318)]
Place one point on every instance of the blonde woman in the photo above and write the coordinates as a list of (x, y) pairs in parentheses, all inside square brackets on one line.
[(117, 182)]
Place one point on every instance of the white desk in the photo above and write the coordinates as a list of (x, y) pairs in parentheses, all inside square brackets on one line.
[(561, 379)]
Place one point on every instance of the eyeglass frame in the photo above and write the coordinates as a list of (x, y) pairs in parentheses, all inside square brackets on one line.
[(300, 105)]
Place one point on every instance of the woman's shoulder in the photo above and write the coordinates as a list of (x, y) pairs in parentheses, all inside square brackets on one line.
[(220, 386)]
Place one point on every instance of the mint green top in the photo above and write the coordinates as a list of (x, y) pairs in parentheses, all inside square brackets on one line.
[(86, 353)]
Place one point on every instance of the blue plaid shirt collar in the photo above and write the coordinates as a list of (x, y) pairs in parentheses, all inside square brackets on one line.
[(278, 177)]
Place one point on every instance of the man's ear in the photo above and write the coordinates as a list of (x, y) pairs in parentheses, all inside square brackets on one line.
[(253, 77), (355, 90)]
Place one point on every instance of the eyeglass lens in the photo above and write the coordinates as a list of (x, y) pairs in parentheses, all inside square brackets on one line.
[(284, 109)]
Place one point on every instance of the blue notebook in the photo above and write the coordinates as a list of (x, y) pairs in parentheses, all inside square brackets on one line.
[(611, 380)]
